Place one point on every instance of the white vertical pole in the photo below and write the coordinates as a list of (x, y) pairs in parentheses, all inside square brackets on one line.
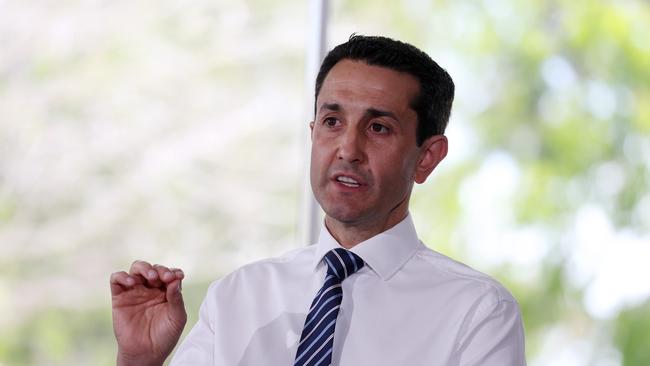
[(311, 216)]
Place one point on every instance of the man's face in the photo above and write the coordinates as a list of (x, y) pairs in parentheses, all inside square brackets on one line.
[(364, 156)]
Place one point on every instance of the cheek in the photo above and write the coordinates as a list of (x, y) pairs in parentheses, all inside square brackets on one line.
[(313, 165), (399, 172), (318, 165)]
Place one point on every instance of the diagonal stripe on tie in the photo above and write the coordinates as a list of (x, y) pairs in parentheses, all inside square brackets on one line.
[(315, 347)]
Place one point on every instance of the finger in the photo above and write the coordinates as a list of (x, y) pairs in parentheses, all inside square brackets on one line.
[(120, 281), (146, 271), (169, 274), (175, 299), (141, 268), (164, 273), (178, 273)]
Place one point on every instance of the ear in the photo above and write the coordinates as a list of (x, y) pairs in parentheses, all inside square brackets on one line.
[(311, 130), (432, 151)]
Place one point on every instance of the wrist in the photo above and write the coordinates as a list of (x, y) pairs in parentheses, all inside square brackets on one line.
[(126, 360)]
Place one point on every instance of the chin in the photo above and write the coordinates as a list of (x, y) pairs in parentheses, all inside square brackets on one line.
[(344, 215)]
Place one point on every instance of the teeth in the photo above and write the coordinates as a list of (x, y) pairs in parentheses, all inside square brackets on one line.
[(348, 181)]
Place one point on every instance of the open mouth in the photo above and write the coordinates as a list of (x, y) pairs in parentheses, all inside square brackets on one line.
[(347, 181)]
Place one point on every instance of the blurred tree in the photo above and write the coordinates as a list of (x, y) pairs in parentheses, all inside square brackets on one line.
[(632, 335)]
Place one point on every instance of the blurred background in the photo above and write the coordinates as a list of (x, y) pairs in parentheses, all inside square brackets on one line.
[(176, 132)]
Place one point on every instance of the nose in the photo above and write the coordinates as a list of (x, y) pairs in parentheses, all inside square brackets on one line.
[(351, 146)]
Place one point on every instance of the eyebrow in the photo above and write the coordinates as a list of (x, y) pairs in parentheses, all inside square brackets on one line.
[(374, 113), (335, 107), (370, 112)]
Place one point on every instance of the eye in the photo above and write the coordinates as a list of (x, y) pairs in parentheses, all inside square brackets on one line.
[(331, 122), (379, 128)]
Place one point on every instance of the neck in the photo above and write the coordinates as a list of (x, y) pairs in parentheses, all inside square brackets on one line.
[(350, 234)]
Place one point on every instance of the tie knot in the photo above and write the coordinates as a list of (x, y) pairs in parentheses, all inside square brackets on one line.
[(342, 263)]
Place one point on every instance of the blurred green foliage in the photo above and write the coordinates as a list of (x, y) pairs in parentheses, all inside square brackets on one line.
[(57, 335), (632, 335)]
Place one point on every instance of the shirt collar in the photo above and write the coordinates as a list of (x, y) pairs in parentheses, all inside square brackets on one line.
[(384, 253)]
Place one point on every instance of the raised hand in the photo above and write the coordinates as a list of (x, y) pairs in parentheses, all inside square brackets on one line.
[(148, 313)]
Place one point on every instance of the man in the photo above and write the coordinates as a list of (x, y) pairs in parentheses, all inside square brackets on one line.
[(385, 299)]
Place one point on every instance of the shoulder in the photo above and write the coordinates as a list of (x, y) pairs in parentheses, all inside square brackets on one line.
[(466, 283)]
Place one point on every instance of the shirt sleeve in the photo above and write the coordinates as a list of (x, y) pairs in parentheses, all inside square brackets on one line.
[(197, 349), (495, 337)]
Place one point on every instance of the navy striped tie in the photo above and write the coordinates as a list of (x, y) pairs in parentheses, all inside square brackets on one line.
[(315, 347)]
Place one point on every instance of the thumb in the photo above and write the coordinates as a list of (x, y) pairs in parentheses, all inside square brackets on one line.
[(175, 299)]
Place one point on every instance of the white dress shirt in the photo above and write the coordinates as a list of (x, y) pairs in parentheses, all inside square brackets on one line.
[(409, 305)]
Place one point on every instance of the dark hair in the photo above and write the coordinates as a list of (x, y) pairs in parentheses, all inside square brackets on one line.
[(432, 105)]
